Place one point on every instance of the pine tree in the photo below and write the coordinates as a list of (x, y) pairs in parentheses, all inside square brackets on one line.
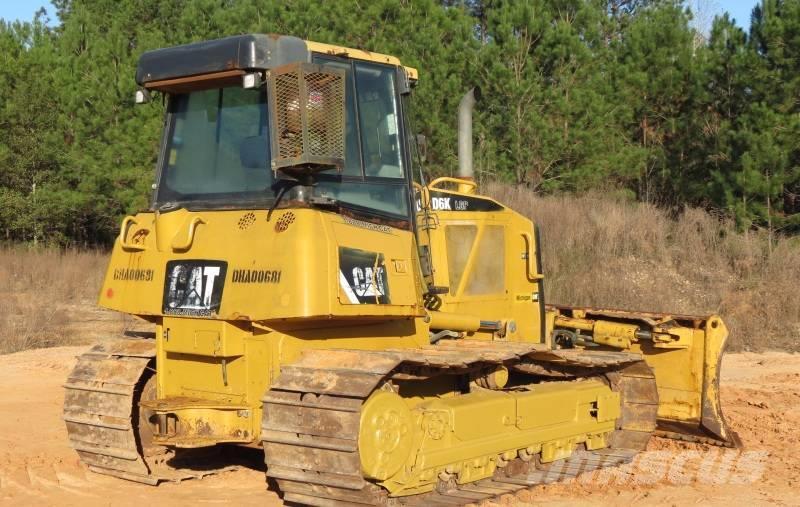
[(617, 94), (655, 73)]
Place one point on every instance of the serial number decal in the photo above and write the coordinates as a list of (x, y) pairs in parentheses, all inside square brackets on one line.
[(133, 274), (256, 276), (367, 225)]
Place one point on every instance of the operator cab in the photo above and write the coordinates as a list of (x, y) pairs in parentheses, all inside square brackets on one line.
[(219, 144)]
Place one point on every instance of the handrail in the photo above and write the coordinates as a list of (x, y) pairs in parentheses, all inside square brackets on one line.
[(464, 186), (530, 258), (424, 196)]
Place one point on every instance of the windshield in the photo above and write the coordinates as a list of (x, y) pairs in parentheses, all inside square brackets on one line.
[(217, 147)]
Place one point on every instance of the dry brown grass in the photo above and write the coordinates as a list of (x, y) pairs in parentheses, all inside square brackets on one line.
[(601, 251), (49, 298)]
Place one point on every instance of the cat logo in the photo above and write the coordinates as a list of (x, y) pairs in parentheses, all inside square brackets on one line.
[(193, 287), (362, 277)]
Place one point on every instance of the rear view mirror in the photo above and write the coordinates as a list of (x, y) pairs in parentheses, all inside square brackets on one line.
[(422, 147)]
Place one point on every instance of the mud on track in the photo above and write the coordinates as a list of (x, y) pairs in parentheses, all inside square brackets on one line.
[(760, 396)]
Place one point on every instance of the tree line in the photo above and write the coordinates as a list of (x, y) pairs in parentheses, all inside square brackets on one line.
[(625, 96)]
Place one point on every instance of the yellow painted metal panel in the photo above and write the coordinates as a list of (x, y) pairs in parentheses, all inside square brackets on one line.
[(359, 54), (272, 273)]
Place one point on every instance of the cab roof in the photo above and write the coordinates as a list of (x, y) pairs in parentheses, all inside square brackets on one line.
[(230, 57), (360, 54)]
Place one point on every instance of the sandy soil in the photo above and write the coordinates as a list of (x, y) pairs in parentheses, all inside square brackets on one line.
[(760, 394)]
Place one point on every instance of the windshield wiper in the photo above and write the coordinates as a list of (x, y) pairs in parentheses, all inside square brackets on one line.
[(284, 188)]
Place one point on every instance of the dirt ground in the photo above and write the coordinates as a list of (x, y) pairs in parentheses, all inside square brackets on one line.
[(760, 395)]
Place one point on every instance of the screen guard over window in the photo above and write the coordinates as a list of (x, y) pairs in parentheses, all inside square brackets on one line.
[(308, 117)]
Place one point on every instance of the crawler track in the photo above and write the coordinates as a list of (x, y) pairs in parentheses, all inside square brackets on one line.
[(100, 408), (101, 411), (312, 415)]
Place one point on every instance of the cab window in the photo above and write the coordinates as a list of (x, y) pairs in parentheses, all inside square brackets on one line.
[(377, 109), (374, 176)]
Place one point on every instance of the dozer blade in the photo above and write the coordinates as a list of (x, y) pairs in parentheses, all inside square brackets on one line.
[(685, 353)]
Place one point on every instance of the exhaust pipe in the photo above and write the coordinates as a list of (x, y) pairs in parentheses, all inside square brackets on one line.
[(465, 107)]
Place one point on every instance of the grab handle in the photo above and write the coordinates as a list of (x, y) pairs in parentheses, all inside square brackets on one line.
[(530, 258), (123, 236), (177, 244)]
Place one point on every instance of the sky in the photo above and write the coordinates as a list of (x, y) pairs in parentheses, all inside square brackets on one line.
[(24, 10), (738, 9)]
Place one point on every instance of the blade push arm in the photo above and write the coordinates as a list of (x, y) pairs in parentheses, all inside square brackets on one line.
[(662, 334), (685, 353)]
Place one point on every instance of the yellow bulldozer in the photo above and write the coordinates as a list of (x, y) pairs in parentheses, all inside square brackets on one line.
[(384, 339)]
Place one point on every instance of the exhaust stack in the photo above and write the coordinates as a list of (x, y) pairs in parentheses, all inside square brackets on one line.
[(465, 107)]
